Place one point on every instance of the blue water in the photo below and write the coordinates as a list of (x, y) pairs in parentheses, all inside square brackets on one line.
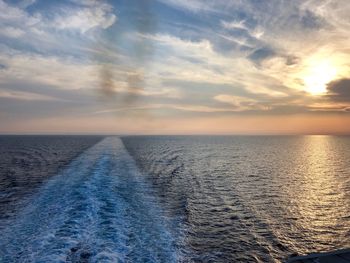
[(26, 162), (99, 209), (251, 198), (184, 199)]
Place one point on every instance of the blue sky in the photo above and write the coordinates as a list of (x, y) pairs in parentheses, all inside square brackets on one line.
[(174, 66)]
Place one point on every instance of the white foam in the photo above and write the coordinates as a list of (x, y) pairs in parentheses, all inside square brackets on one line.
[(99, 208)]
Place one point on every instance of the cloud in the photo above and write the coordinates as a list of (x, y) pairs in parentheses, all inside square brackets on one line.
[(63, 73), (334, 13), (93, 15), (240, 25), (234, 24), (261, 54), (198, 108), (339, 90), (26, 3), (80, 16), (240, 103), (12, 32), (68, 74), (178, 107), (190, 5), (16, 16), (197, 62), (223, 57), (25, 96)]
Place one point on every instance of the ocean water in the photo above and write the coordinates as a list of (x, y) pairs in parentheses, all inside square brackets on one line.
[(184, 199), (98, 209), (251, 199), (27, 161)]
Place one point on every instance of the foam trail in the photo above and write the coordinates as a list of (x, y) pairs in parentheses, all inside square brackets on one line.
[(99, 209)]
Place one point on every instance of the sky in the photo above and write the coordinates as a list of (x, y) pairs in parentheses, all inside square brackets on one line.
[(175, 67)]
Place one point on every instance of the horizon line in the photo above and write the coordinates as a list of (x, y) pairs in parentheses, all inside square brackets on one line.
[(174, 134)]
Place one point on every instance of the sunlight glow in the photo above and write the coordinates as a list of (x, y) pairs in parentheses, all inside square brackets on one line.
[(320, 73)]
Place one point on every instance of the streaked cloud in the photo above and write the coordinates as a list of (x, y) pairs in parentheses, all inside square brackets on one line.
[(176, 59), (190, 5), (177, 107), (26, 96), (63, 73), (240, 103)]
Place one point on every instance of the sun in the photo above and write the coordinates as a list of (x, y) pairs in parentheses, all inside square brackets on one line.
[(318, 75)]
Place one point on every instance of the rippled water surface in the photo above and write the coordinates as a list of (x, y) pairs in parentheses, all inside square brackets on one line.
[(27, 161), (177, 199), (252, 199), (99, 209)]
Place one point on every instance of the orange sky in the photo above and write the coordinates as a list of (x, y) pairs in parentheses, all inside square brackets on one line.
[(295, 124)]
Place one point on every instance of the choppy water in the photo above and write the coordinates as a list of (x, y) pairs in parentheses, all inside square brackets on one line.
[(188, 199)]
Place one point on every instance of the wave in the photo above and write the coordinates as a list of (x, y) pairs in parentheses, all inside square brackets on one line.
[(99, 209)]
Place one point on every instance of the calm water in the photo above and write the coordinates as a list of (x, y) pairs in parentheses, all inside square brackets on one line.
[(248, 199), (185, 199)]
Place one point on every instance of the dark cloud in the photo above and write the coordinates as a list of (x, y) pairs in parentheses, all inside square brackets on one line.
[(339, 90), (2, 66), (261, 54), (311, 21), (292, 60)]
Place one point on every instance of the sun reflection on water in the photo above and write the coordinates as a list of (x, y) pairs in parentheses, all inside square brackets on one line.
[(319, 201)]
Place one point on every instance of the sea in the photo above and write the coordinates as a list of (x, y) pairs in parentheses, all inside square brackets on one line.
[(172, 198)]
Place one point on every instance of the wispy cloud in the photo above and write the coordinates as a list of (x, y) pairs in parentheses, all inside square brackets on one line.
[(190, 5), (63, 73), (205, 57), (25, 96), (177, 107), (240, 103), (86, 17)]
